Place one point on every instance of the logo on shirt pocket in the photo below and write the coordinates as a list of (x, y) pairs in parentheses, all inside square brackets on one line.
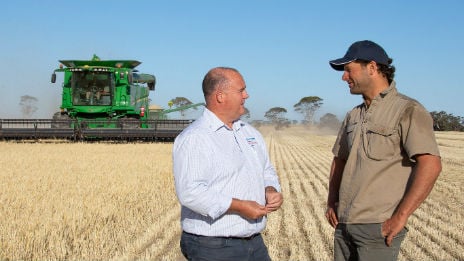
[(252, 142)]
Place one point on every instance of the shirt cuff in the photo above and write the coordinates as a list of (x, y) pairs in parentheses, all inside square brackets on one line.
[(221, 208)]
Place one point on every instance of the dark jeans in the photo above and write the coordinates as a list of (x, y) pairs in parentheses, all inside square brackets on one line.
[(364, 242), (198, 248)]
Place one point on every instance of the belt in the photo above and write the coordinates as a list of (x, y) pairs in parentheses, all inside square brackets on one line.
[(237, 238)]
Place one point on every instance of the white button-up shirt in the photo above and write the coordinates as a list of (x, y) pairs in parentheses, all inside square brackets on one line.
[(212, 165)]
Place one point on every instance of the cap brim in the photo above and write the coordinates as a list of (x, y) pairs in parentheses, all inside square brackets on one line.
[(339, 64)]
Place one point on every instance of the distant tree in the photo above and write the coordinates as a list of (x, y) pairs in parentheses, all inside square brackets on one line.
[(443, 121), (179, 102), (276, 115), (28, 105), (308, 106), (329, 120)]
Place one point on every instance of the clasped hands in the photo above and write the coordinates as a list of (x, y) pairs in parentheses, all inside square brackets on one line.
[(252, 210)]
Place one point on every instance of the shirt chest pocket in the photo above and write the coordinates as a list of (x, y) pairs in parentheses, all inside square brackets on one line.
[(350, 133), (381, 142)]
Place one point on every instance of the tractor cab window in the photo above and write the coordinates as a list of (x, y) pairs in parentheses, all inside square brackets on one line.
[(91, 88)]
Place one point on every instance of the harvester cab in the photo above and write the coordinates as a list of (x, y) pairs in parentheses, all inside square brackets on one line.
[(92, 88), (104, 89)]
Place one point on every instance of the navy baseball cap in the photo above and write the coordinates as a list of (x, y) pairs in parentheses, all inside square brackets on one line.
[(363, 50)]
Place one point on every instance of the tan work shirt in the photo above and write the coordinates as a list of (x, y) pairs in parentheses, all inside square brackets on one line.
[(379, 144)]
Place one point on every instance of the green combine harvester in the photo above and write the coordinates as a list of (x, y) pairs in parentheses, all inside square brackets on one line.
[(101, 100)]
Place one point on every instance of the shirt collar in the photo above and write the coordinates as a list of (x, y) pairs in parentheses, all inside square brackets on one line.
[(390, 89), (382, 95), (216, 124)]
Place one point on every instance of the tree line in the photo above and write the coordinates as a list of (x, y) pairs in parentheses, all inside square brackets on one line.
[(443, 121), (308, 106)]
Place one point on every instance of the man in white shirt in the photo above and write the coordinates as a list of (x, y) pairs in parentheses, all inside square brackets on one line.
[(224, 179)]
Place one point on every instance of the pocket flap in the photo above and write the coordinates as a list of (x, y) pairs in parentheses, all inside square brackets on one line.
[(381, 130)]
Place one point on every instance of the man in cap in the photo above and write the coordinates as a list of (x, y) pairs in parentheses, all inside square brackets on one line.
[(386, 159)]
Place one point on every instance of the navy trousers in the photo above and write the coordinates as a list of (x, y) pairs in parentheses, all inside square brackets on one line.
[(202, 248)]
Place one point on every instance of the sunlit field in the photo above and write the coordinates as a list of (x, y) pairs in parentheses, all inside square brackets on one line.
[(104, 201)]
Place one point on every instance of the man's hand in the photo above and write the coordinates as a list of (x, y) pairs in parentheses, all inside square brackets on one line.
[(274, 199), (331, 215), (247, 209), (391, 227)]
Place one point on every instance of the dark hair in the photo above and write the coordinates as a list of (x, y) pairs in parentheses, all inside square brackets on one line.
[(388, 71), (216, 78)]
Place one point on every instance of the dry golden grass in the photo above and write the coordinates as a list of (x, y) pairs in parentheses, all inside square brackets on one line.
[(76, 201), (85, 201)]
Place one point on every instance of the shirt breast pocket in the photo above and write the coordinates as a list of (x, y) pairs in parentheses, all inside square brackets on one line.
[(383, 143), (350, 133)]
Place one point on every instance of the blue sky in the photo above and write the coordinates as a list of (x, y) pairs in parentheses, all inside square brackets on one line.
[(282, 48)]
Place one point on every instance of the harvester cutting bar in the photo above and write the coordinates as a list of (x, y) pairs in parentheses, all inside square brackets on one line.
[(121, 129), (130, 129), (36, 129)]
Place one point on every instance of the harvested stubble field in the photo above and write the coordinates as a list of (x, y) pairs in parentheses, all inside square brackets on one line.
[(80, 201)]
